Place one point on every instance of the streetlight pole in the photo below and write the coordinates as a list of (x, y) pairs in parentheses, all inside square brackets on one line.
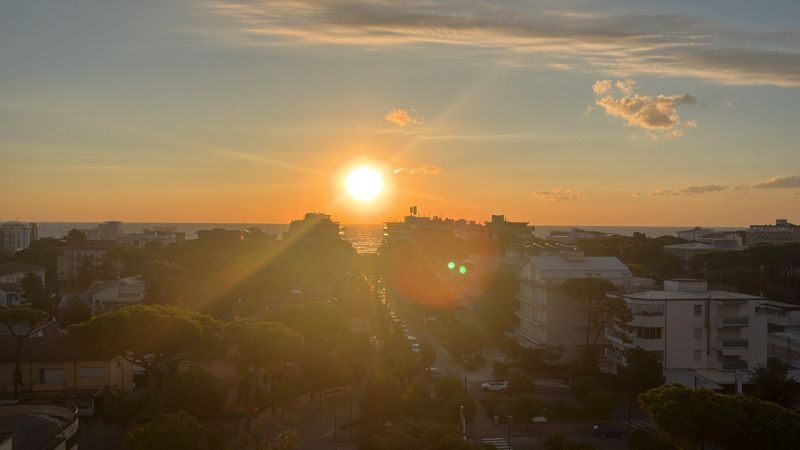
[(629, 413), (510, 419)]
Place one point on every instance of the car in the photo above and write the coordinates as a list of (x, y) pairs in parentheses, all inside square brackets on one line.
[(539, 420), (609, 431), (496, 385)]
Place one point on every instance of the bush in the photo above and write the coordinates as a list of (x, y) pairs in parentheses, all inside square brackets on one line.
[(639, 439), (179, 431), (521, 384), (446, 388), (196, 392), (600, 404)]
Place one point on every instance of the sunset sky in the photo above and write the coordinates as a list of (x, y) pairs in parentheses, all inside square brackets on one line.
[(607, 112)]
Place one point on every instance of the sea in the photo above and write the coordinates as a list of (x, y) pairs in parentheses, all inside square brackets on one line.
[(364, 238)]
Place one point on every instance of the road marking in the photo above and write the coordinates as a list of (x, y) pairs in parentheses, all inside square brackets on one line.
[(499, 443), (333, 430), (641, 423)]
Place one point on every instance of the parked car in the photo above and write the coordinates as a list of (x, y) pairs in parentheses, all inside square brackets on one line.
[(496, 385), (609, 431), (539, 420)]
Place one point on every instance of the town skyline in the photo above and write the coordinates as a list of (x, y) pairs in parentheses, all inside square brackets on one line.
[(611, 113)]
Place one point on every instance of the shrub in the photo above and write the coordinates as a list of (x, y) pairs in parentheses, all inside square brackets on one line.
[(195, 391), (446, 388)]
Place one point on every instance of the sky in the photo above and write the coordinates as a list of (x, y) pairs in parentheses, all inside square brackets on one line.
[(591, 112)]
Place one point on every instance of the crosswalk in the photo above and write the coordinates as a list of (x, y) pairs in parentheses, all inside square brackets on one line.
[(641, 423), (499, 443)]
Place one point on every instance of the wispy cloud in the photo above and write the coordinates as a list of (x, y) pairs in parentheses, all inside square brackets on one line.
[(689, 190), (402, 117), (425, 169), (559, 194), (620, 45), (658, 115), (789, 182)]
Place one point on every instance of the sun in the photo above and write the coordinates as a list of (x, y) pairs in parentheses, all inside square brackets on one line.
[(364, 183)]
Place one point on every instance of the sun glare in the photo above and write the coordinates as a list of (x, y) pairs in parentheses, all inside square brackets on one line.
[(364, 184)]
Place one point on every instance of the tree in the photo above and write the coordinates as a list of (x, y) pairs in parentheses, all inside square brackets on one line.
[(447, 387), (643, 371), (695, 417), (87, 273), (36, 293), (419, 435), (600, 311), (21, 323), (195, 391), (76, 311), (152, 336), (178, 431), (641, 439), (600, 404), (772, 383), (261, 345), (75, 235)]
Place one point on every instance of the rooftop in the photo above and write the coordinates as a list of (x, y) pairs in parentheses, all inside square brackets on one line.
[(585, 263), (691, 246), (17, 267), (692, 295)]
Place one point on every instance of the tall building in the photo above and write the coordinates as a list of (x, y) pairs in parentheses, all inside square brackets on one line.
[(510, 234), (782, 232), (106, 231), (313, 227), (415, 227), (707, 333), (16, 236), (161, 236), (694, 233), (221, 235), (74, 253), (549, 318)]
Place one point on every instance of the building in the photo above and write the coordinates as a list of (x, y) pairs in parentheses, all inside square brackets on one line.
[(75, 253), (16, 236), (782, 232), (414, 228), (104, 296), (15, 272), (160, 236), (11, 295), (106, 231), (39, 425), (313, 227), (221, 235), (509, 234), (547, 317), (574, 235), (54, 363), (712, 334), (694, 234)]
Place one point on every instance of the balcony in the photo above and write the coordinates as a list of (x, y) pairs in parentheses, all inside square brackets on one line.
[(734, 365), (734, 343), (616, 357), (733, 321), (617, 336)]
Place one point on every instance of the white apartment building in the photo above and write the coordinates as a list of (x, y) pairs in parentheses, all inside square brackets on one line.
[(16, 236), (710, 333), (549, 318), (694, 233), (73, 255), (104, 296)]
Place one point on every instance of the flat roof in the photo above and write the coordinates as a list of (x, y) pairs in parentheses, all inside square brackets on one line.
[(587, 263), (693, 295)]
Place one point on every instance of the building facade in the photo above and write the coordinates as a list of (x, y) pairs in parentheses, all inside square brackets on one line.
[(16, 236), (313, 227), (75, 253), (14, 272), (160, 236), (549, 318), (712, 333), (782, 232)]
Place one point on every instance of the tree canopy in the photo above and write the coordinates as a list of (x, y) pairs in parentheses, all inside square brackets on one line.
[(643, 371), (178, 431)]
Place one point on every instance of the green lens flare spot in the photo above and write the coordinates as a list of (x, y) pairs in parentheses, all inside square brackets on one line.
[(462, 270), (451, 265)]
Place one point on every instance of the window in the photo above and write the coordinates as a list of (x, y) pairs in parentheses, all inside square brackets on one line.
[(91, 372), (648, 333), (697, 355), (698, 310), (51, 376), (698, 333)]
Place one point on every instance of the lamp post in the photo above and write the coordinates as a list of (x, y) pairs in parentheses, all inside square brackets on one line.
[(464, 360), (509, 419), (629, 413)]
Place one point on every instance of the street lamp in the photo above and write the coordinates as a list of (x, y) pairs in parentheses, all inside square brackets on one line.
[(629, 413), (464, 360)]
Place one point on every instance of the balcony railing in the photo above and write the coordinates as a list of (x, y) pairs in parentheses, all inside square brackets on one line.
[(615, 356), (734, 365), (734, 343), (734, 321)]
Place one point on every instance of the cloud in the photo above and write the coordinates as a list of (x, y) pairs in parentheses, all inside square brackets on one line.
[(689, 190), (637, 194), (659, 113), (425, 169), (402, 118), (559, 194), (778, 183), (621, 45)]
